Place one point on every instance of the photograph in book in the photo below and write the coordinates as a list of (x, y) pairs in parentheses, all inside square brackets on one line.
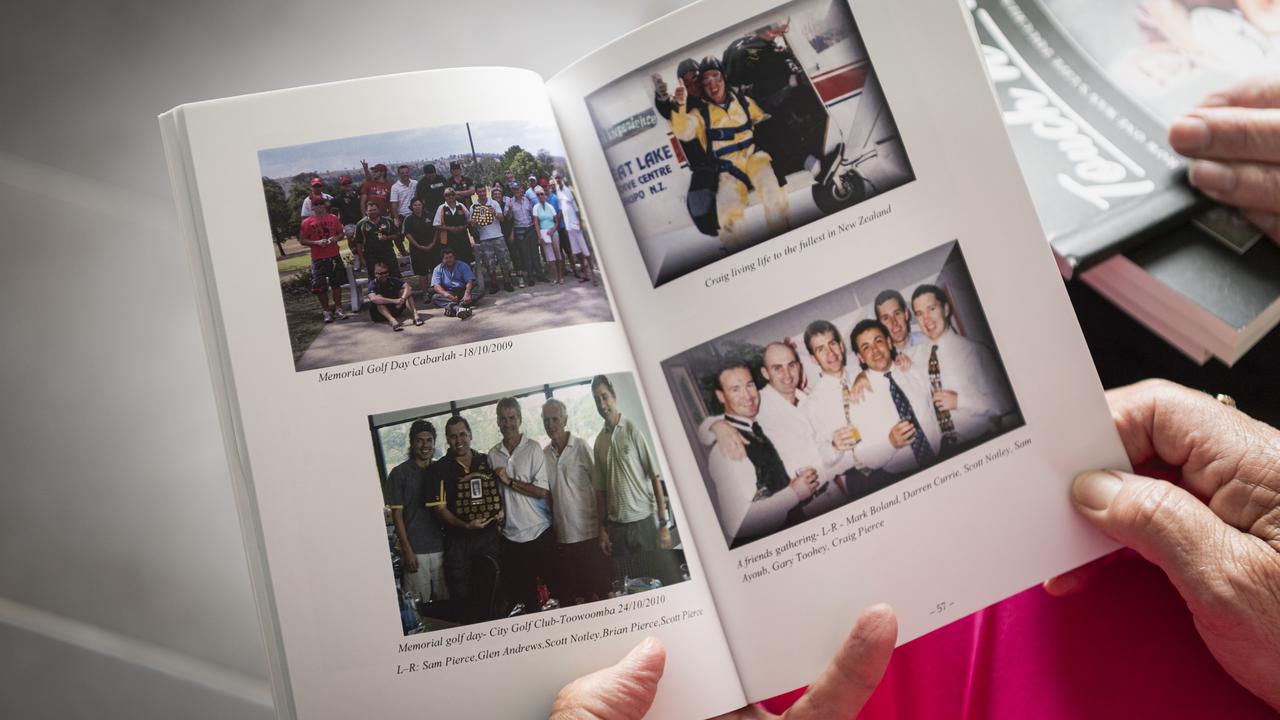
[(758, 129), (512, 504), (841, 396), (1171, 54), (421, 239)]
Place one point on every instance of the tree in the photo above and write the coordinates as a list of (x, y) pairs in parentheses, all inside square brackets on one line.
[(523, 164), (510, 155), (278, 215)]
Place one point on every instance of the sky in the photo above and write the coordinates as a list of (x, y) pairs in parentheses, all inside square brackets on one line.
[(407, 145)]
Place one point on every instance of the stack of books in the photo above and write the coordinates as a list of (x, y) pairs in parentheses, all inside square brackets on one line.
[(1088, 91)]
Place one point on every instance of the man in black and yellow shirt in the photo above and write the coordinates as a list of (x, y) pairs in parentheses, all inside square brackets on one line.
[(470, 508)]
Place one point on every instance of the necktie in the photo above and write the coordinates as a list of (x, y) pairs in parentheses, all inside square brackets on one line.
[(920, 445), (944, 416), (771, 474)]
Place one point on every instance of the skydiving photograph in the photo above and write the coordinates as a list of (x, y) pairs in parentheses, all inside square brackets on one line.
[(747, 134)]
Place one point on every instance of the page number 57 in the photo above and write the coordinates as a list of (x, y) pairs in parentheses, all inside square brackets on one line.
[(941, 607)]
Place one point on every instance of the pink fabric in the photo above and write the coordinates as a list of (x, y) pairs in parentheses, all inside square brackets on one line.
[(1124, 647)]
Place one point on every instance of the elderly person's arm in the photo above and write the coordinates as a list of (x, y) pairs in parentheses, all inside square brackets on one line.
[(1233, 139), (1222, 553)]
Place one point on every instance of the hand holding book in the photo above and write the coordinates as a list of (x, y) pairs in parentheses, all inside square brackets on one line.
[(625, 691), (1234, 140)]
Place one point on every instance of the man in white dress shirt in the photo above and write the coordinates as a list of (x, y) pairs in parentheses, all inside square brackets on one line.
[(892, 312), (782, 417), (584, 571), (967, 396), (754, 496), (528, 545), (899, 431), (831, 397)]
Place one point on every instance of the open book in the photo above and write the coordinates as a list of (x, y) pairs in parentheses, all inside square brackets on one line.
[(737, 347)]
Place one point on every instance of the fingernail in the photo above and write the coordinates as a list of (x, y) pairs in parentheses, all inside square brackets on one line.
[(1062, 584), (1215, 101), (1212, 176), (1095, 489), (1188, 134), (1266, 222)]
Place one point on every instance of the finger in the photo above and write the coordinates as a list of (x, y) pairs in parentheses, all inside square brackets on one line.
[(622, 692), (1267, 222), (1077, 579), (1164, 523), (1228, 133), (1258, 92), (1162, 420), (844, 686), (1255, 186)]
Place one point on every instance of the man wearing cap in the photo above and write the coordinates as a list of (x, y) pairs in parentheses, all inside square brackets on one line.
[(450, 222), (321, 233), (533, 187), (347, 203), (317, 191), (725, 125), (418, 531), (375, 187), (430, 190), (491, 248), (461, 184), (701, 198)]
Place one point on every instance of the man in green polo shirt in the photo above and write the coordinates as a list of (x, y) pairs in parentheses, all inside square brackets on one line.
[(630, 486)]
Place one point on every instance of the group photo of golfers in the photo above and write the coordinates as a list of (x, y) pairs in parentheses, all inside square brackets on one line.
[(421, 239), (536, 499)]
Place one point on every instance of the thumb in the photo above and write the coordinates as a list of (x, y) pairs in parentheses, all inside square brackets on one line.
[(1163, 522), (624, 691)]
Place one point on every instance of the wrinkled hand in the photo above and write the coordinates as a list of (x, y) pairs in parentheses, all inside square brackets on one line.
[(1233, 138), (1223, 557), (606, 545), (410, 562), (626, 690)]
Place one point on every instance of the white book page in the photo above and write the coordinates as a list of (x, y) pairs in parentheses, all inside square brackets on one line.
[(943, 213), (312, 434)]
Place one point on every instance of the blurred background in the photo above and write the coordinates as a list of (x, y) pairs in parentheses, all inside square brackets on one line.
[(124, 590)]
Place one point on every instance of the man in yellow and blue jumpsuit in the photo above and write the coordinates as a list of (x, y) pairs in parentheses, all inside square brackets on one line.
[(724, 125)]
